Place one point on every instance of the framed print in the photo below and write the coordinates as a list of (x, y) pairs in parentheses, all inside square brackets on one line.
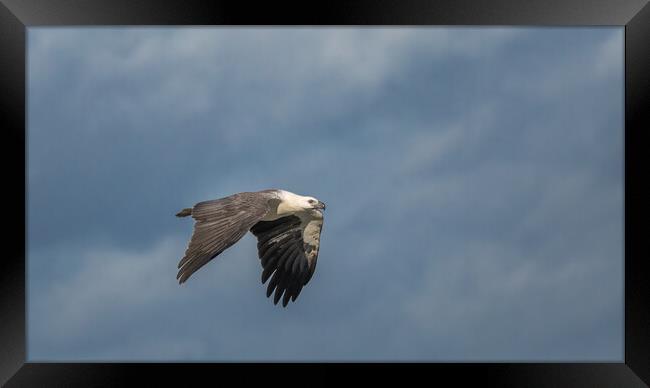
[(467, 175)]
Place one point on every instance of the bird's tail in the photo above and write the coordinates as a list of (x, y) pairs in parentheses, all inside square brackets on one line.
[(185, 212)]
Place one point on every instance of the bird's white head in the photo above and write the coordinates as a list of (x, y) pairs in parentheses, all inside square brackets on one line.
[(300, 203)]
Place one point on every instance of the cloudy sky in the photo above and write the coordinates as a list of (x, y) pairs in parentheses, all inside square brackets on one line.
[(473, 177)]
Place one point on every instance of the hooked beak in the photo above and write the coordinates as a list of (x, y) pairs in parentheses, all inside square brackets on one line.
[(320, 205)]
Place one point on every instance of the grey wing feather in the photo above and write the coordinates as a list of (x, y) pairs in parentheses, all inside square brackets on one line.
[(288, 250), (219, 224)]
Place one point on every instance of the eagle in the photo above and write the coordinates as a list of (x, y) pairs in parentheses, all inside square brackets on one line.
[(287, 227)]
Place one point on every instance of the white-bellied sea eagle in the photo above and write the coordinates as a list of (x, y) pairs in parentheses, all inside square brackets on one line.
[(287, 227)]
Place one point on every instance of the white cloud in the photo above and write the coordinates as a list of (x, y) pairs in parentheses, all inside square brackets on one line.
[(610, 56), (501, 299), (565, 76), (430, 146), (290, 71), (110, 283)]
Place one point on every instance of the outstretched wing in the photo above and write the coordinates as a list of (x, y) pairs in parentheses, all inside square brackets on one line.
[(219, 224), (288, 250)]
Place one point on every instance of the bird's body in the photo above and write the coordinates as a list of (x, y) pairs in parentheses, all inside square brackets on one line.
[(286, 225)]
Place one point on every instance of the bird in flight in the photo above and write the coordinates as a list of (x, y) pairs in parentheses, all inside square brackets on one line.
[(287, 227)]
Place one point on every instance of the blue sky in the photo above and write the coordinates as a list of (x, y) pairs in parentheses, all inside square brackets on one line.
[(473, 177)]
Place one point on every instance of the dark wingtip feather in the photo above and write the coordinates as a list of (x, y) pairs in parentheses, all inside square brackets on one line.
[(296, 293), (286, 298), (266, 274), (274, 281), (185, 212), (183, 275), (277, 296)]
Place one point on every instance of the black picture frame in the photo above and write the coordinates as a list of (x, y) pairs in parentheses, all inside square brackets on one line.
[(17, 15)]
